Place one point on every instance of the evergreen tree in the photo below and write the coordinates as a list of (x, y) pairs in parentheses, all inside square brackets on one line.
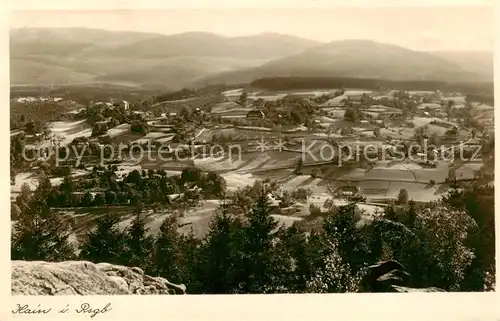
[(403, 197), (22, 200), (293, 262), (87, 199), (67, 189), (217, 254), (12, 173), (106, 243), (110, 197), (243, 98), (38, 233), (340, 226), (351, 114), (167, 252), (190, 263), (139, 245), (298, 167), (255, 262), (99, 199), (411, 213)]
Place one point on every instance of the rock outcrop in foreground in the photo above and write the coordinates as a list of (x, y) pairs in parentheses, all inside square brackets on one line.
[(85, 278), (391, 276)]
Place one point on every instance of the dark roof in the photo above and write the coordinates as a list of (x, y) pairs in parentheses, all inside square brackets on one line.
[(255, 112)]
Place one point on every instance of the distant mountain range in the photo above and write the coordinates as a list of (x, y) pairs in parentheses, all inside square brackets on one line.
[(76, 55)]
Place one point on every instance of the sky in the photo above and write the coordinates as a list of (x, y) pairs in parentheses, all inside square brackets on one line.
[(418, 28)]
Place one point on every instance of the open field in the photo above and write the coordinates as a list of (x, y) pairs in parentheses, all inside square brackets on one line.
[(196, 220), (235, 181), (268, 153), (125, 137), (118, 130), (151, 136), (404, 175), (66, 131), (31, 179), (64, 126)]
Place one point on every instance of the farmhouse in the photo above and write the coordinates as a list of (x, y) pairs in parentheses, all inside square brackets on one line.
[(255, 114), (146, 114), (348, 190), (120, 103), (113, 103)]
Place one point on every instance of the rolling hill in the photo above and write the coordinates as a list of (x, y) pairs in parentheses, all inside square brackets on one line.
[(63, 55), (76, 55), (475, 61), (357, 59)]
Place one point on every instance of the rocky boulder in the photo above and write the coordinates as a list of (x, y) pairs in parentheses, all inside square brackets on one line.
[(390, 276), (85, 278)]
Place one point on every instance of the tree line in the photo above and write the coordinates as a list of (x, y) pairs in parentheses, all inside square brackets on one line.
[(152, 188), (476, 89), (447, 244)]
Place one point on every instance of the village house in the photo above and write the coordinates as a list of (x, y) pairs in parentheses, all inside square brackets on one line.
[(348, 190), (120, 103), (113, 103), (255, 114), (147, 115), (103, 104)]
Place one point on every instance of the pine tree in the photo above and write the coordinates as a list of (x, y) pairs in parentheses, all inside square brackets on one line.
[(190, 262), (22, 200), (87, 199), (411, 213), (341, 227), (298, 167), (256, 245), (217, 254), (167, 253), (38, 233), (106, 243), (12, 173), (139, 244), (297, 261), (403, 197), (67, 189)]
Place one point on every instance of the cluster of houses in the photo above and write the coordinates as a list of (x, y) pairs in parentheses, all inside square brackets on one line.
[(113, 103), (430, 104), (23, 100)]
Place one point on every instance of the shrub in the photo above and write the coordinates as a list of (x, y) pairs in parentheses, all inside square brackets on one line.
[(403, 196), (314, 210)]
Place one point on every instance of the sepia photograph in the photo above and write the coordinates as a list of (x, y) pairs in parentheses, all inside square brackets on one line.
[(251, 151)]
